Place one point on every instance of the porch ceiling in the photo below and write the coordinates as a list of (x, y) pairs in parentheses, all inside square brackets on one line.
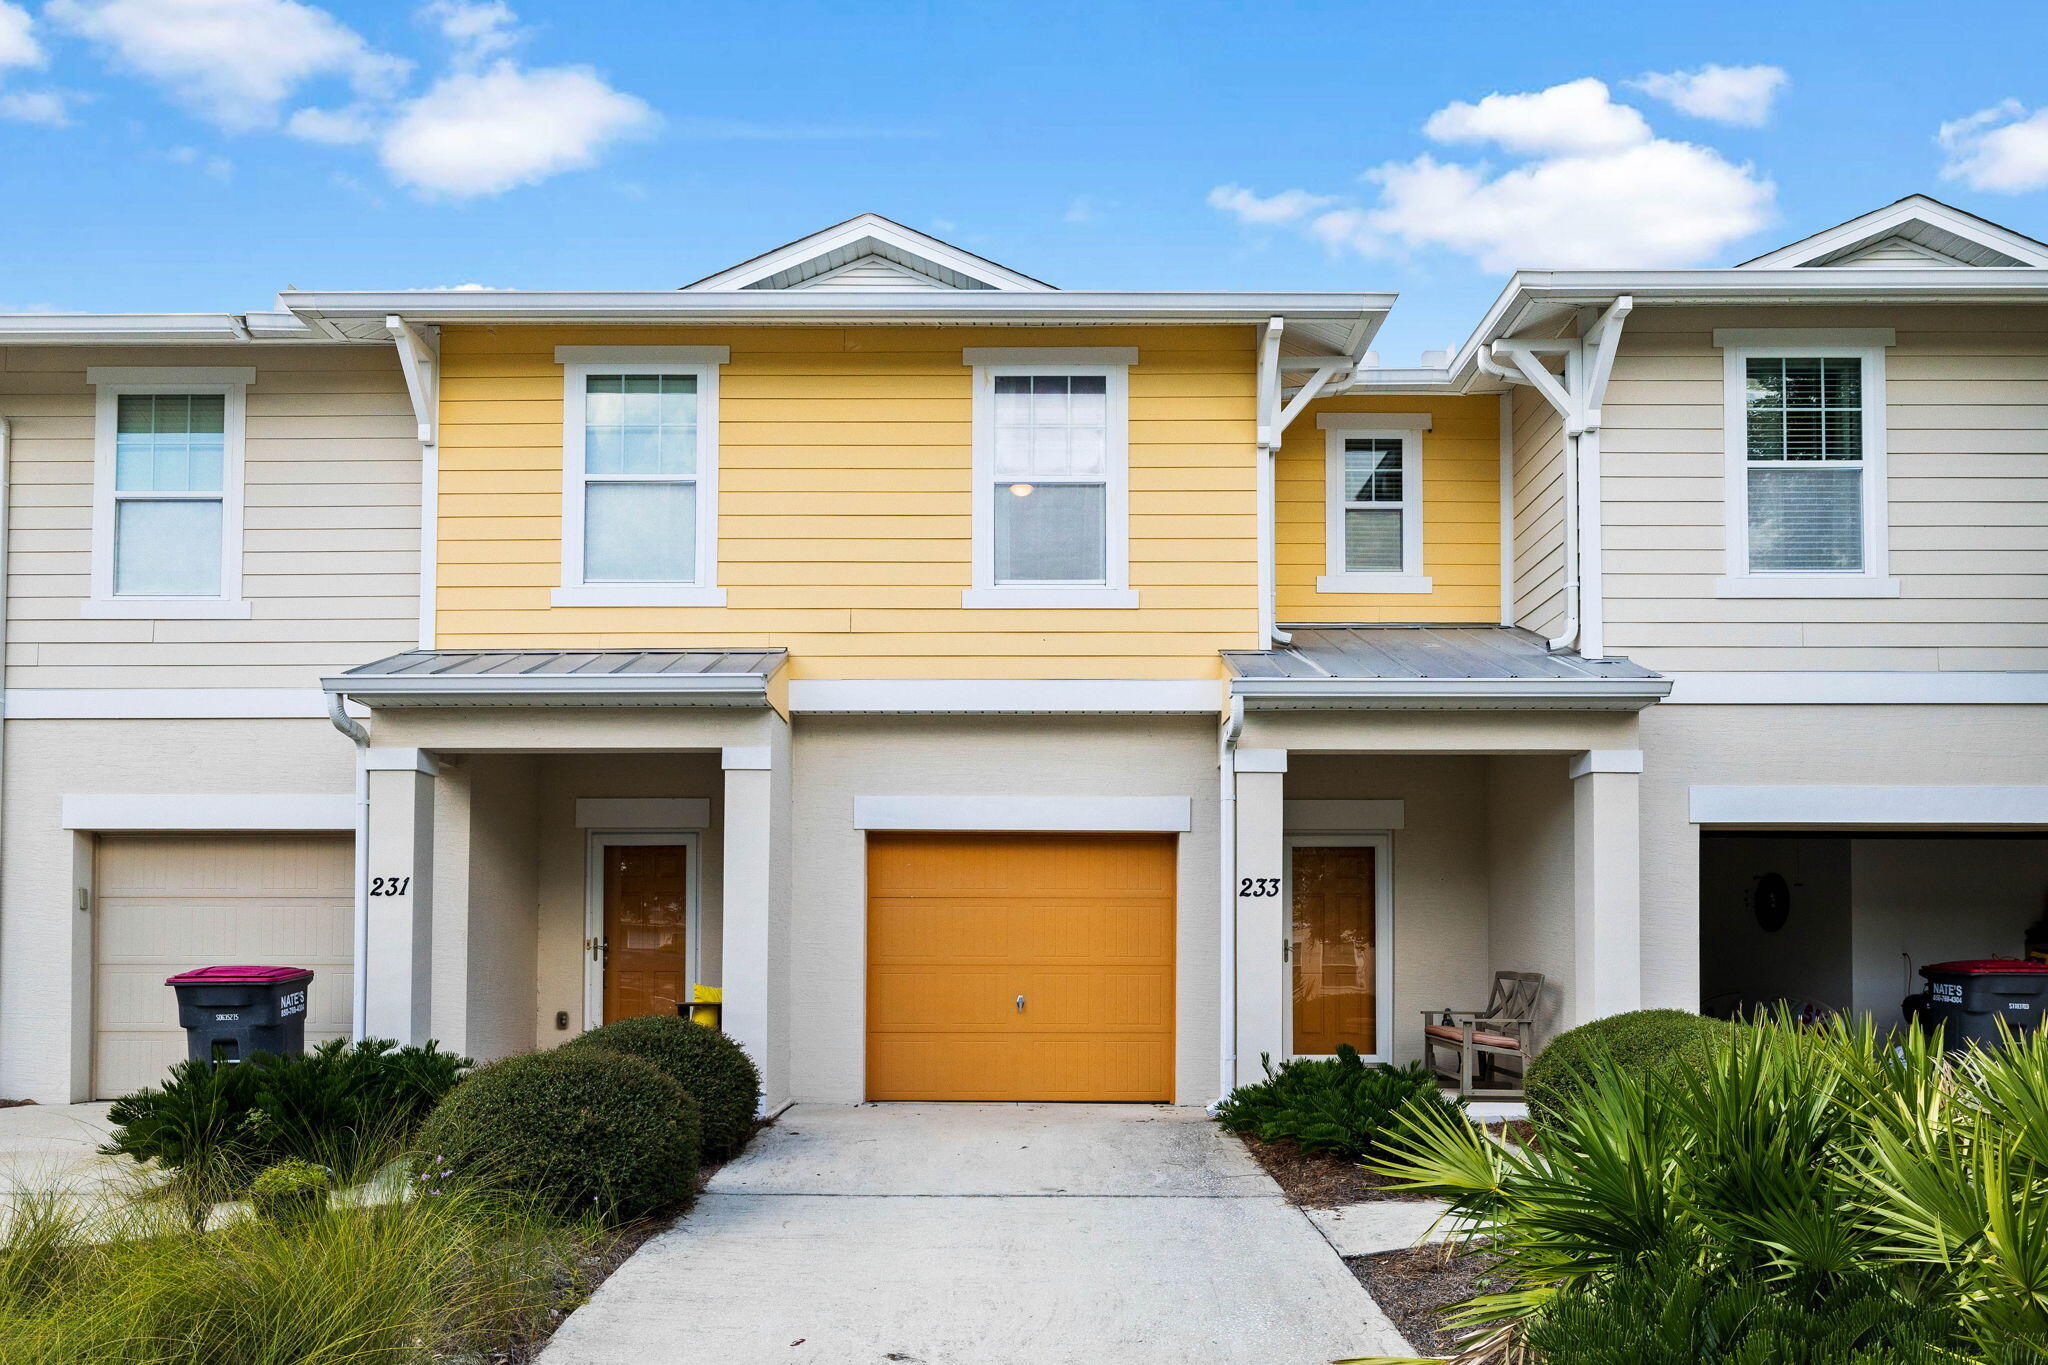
[(1401, 666), (566, 677)]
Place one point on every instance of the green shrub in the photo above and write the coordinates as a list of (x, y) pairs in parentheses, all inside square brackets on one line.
[(340, 1105), (1664, 1313), (291, 1193), (712, 1067), (1338, 1105), (1655, 1044), (582, 1129)]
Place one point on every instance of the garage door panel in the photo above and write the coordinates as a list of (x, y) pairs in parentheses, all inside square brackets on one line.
[(167, 903), (960, 925)]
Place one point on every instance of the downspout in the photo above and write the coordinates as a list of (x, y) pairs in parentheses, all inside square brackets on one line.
[(337, 711), (1226, 764)]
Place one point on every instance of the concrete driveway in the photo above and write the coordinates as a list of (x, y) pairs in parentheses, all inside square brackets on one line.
[(984, 1235)]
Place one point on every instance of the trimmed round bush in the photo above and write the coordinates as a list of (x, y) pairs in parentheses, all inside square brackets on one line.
[(582, 1130), (1650, 1043), (712, 1067)]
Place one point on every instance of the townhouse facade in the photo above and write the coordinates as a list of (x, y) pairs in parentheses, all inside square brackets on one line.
[(1001, 692)]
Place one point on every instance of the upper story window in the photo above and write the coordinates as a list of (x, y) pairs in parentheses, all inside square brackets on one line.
[(1806, 470), (1373, 492), (167, 483), (1051, 477), (640, 489)]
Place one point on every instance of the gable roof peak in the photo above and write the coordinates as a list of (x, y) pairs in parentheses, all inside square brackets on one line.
[(1916, 230), (868, 251)]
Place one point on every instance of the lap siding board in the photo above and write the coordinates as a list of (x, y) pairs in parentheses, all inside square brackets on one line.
[(1079, 925)]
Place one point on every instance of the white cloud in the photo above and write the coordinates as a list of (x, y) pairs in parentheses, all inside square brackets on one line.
[(479, 31), (235, 61), (216, 167), (18, 46), (1604, 192), (484, 132), (335, 127), (1577, 116), (47, 107), (1284, 207), (1741, 95), (2003, 149)]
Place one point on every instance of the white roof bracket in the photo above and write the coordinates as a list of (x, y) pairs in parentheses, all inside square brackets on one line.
[(419, 356), (1522, 356), (1605, 338), (1269, 384), (1328, 375)]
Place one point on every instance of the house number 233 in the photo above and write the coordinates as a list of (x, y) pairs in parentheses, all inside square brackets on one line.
[(1258, 886), (390, 886)]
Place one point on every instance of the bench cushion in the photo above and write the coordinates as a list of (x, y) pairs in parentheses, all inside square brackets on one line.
[(1479, 1036)]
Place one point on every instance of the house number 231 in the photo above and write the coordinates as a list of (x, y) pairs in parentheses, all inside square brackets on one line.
[(1258, 886), (390, 886)]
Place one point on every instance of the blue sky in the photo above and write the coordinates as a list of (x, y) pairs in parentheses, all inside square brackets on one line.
[(200, 154)]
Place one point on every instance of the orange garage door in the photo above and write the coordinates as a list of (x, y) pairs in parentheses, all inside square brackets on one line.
[(1020, 967)]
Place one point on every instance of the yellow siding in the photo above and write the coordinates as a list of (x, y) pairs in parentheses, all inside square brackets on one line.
[(1460, 516), (845, 504)]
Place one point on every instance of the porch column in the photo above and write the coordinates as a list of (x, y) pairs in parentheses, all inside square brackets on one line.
[(1607, 887), (398, 952), (1263, 922), (755, 896)]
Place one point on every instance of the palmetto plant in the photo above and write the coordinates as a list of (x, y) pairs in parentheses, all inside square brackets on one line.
[(1810, 1168)]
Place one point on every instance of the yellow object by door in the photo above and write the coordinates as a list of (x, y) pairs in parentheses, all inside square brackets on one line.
[(1336, 992), (646, 929), (1020, 967)]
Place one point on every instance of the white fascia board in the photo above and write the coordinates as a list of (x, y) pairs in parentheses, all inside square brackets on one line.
[(167, 703), (1883, 222), (17, 329), (1819, 807), (1828, 688), (1628, 693), (733, 689), (1027, 814), (207, 812), (999, 696)]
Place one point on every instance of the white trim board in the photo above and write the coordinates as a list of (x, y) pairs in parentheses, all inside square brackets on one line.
[(1027, 814), (1003, 696), (643, 812), (1343, 817), (1858, 689), (169, 703), (1816, 807), (107, 814)]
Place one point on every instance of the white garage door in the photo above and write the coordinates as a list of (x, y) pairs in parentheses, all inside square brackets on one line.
[(170, 902)]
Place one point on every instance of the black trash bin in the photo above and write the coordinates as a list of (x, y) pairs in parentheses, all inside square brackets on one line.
[(229, 1012), (1968, 998)]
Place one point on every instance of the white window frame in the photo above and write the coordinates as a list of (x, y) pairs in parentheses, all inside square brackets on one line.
[(578, 364), (1113, 364), (110, 384), (1382, 844), (1338, 428), (1738, 347)]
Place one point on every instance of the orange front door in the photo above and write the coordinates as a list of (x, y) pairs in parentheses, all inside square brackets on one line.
[(1336, 991), (1020, 967), (646, 928)]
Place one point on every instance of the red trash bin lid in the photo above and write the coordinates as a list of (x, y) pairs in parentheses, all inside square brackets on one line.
[(238, 976), (1985, 966)]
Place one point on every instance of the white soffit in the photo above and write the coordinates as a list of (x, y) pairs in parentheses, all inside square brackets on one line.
[(868, 252), (1027, 814)]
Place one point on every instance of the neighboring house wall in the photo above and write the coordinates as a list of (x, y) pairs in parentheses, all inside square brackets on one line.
[(1539, 493), (1967, 413), (845, 521), (1460, 515), (330, 551)]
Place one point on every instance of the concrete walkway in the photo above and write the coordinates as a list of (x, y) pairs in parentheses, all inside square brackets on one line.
[(984, 1235), (48, 1154)]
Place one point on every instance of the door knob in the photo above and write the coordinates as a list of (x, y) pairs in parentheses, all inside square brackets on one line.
[(1020, 1004)]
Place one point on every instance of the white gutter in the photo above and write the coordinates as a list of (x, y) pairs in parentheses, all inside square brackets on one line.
[(1226, 825), (337, 711)]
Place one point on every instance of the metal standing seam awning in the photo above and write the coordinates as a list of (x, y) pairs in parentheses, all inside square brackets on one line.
[(1399, 666), (566, 677)]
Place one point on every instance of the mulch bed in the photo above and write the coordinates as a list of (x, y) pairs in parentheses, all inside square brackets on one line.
[(1415, 1287), (1317, 1180), (14, 1104)]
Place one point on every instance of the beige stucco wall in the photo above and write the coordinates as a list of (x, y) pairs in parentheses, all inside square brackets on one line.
[(45, 943), (1529, 877), (1686, 746), (837, 759)]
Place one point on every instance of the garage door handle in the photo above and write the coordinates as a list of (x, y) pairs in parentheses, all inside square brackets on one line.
[(1020, 1004)]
